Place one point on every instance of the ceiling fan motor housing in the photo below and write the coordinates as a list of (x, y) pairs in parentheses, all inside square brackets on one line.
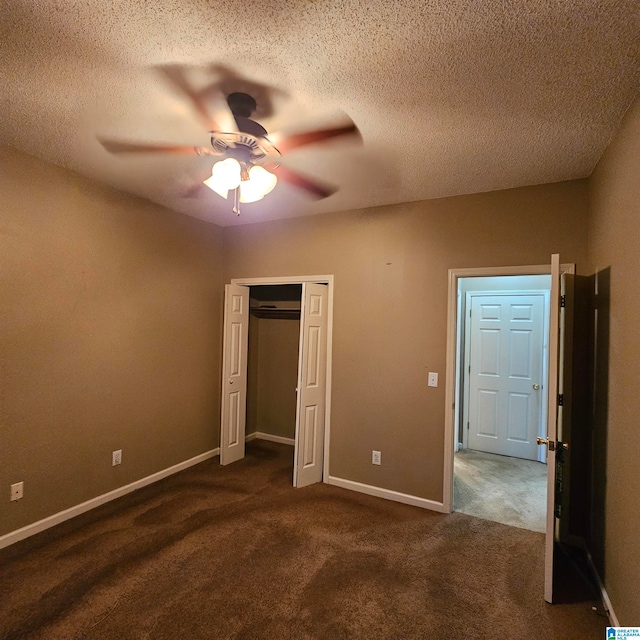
[(245, 147), (241, 104)]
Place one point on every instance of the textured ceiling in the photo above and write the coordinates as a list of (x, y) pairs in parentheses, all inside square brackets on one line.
[(450, 96)]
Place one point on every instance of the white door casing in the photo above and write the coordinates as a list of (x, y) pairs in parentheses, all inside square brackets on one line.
[(312, 370), (504, 361), (234, 373)]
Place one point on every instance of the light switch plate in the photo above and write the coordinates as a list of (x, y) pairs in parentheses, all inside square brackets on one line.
[(17, 491), (433, 379)]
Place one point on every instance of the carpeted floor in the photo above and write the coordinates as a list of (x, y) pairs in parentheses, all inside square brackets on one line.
[(499, 488), (236, 552)]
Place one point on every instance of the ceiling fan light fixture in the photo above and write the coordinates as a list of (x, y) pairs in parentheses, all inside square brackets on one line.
[(242, 144), (260, 183), (225, 177)]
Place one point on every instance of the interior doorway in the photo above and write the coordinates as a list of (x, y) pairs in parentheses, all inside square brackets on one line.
[(557, 440), (309, 301), (502, 355)]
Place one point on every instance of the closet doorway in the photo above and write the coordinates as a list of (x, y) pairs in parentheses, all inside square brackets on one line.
[(272, 363), (277, 368)]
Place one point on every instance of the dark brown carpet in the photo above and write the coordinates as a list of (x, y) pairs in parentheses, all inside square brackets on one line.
[(236, 552)]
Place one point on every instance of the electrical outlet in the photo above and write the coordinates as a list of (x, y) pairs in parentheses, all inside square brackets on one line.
[(116, 457), (17, 491), (433, 379), (376, 457)]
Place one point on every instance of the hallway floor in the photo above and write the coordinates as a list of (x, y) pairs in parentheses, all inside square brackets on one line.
[(502, 489)]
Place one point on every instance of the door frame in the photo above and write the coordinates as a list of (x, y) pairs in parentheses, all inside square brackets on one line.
[(465, 342), (323, 279), (452, 390)]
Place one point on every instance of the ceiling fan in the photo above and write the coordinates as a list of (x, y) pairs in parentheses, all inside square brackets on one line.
[(250, 161)]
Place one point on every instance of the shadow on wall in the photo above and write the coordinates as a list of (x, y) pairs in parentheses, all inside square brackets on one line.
[(581, 436), (600, 409)]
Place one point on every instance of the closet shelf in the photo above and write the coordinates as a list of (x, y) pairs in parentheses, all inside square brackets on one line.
[(275, 314)]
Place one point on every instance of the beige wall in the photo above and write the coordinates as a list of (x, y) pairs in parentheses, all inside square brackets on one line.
[(275, 358), (110, 338), (390, 266), (614, 252)]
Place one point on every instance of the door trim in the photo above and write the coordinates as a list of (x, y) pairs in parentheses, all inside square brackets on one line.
[(322, 279), (451, 400)]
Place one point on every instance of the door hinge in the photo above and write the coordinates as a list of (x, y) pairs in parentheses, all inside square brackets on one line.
[(557, 511), (561, 399), (563, 301), (559, 480), (467, 426)]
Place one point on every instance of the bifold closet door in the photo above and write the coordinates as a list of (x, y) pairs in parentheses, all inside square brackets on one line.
[(312, 375), (234, 373)]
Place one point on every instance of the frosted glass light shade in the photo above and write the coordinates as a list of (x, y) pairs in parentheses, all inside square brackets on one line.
[(225, 176), (260, 183)]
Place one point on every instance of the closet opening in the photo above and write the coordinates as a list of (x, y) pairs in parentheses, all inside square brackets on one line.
[(272, 363), (276, 369)]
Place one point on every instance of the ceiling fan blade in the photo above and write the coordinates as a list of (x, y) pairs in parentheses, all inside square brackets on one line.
[(121, 146), (210, 105), (312, 187), (286, 143)]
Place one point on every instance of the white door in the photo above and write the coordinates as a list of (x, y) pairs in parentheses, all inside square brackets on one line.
[(505, 366), (234, 373), (312, 373)]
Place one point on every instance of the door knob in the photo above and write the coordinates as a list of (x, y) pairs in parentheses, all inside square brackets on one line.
[(550, 443), (536, 387), (230, 380)]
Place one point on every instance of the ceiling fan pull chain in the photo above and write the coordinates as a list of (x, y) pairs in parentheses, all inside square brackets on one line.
[(236, 201)]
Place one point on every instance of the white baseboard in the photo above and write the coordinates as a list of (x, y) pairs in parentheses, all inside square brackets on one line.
[(270, 438), (613, 618), (31, 529), (259, 435), (580, 543), (396, 496)]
